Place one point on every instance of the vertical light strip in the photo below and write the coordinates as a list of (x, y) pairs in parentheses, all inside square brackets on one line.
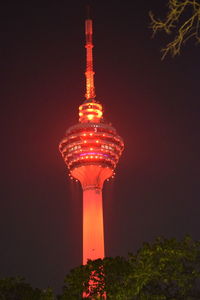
[(89, 74)]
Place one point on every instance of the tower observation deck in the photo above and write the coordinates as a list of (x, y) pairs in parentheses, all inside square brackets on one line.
[(91, 150)]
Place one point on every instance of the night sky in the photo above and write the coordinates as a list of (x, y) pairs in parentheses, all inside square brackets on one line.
[(153, 104)]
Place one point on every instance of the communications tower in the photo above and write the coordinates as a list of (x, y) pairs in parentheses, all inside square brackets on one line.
[(91, 150)]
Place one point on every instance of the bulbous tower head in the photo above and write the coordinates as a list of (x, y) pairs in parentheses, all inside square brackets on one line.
[(91, 149)]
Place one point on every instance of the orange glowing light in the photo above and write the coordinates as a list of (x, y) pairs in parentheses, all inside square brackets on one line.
[(90, 90), (86, 110), (93, 234), (90, 117)]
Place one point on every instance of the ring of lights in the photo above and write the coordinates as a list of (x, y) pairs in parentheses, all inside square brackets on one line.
[(91, 144)]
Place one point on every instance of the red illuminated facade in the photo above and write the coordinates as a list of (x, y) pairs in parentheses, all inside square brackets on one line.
[(91, 150)]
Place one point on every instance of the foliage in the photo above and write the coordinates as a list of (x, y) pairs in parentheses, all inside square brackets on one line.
[(167, 269), (182, 20), (164, 270), (47, 294), (15, 288), (75, 282), (78, 281)]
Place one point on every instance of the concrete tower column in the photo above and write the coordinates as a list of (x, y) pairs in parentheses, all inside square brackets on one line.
[(93, 225)]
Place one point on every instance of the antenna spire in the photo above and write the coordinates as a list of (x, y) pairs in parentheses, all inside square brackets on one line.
[(89, 73), (88, 12)]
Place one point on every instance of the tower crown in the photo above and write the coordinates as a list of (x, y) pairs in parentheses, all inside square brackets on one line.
[(91, 143), (90, 110)]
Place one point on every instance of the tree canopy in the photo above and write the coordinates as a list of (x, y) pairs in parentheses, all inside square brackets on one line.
[(166, 269), (15, 288), (181, 21)]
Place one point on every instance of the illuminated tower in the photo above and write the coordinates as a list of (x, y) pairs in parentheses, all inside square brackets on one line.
[(91, 150)]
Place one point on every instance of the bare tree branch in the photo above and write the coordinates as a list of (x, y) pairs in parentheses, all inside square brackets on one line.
[(182, 20)]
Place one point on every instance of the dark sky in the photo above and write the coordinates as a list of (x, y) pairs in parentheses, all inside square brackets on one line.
[(153, 104)]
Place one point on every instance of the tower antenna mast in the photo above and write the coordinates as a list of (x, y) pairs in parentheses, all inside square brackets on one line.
[(89, 73)]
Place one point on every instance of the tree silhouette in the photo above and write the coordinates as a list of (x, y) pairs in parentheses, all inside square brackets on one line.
[(181, 21), (165, 269)]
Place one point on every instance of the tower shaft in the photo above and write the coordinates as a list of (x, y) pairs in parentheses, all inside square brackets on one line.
[(89, 73), (93, 229), (92, 178)]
